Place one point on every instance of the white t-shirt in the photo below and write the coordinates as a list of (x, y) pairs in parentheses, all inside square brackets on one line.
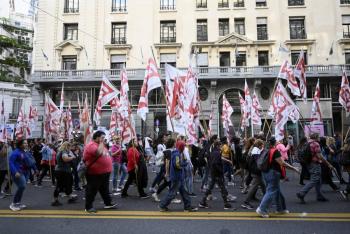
[(187, 155)]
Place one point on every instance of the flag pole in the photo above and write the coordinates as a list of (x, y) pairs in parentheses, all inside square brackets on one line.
[(162, 87)]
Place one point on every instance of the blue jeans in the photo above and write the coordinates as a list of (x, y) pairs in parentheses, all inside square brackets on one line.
[(174, 187), (189, 179), (228, 171), (205, 176), (315, 180), (21, 185), (116, 168), (273, 192)]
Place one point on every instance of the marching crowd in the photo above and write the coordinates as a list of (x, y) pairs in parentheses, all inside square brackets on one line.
[(255, 163)]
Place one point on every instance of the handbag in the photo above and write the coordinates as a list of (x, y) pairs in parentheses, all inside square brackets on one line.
[(83, 168)]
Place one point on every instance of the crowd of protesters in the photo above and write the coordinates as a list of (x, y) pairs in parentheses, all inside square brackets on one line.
[(253, 163)]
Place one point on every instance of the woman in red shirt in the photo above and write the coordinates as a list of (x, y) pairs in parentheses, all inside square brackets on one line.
[(133, 156)]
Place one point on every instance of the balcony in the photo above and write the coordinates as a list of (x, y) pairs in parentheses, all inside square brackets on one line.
[(205, 73)]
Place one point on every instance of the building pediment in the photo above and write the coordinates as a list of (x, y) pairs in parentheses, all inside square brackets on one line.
[(232, 39), (63, 44)]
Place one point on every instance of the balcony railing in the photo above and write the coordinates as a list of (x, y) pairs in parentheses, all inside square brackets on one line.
[(204, 73)]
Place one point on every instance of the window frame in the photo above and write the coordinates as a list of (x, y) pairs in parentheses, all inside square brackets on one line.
[(239, 26), (71, 9), (292, 29), (261, 4), (239, 4), (70, 27), (223, 4), (201, 4), (117, 28), (344, 2), (121, 7), (64, 61), (241, 55), (170, 26), (294, 56), (203, 36), (262, 34), (296, 2), (346, 27), (166, 5), (260, 57)]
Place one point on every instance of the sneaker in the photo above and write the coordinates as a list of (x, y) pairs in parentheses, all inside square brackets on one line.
[(111, 206), (176, 201), (163, 209), (155, 197), (91, 210), (244, 191), (301, 198), (191, 209), (344, 194), (262, 214), (211, 198), (119, 189), (247, 205), (227, 206), (282, 212), (14, 207), (21, 206), (152, 190), (322, 199), (192, 195), (231, 198), (145, 196), (203, 205), (56, 203)]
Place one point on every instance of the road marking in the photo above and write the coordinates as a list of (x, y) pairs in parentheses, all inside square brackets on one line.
[(76, 214)]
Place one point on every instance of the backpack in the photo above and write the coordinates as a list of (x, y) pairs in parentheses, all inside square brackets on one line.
[(175, 160), (305, 154), (265, 159)]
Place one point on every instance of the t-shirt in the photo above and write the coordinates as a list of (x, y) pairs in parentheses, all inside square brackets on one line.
[(226, 151), (315, 150), (116, 148), (61, 164), (133, 158), (102, 165), (275, 165), (167, 154)]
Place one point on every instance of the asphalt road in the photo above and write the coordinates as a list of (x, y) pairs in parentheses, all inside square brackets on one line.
[(141, 216)]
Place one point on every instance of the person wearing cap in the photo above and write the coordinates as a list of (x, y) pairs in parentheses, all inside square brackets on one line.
[(272, 180)]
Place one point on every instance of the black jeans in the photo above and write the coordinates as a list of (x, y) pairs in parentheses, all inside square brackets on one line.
[(215, 179), (97, 183), (44, 170), (64, 183), (2, 177), (163, 186), (132, 178)]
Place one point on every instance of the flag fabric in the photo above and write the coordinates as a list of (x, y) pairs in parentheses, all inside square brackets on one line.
[(247, 105), (227, 111), (331, 49), (52, 119), (242, 105), (62, 98), (124, 106), (316, 116), (86, 124), (210, 124), (107, 93), (300, 73), (69, 123), (344, 93), (44, 55), (282, 108), (175, 110), (283, 49), (256, 110), (79, 109), (22, 128), (113, 124), (286, 72), (3, 135), (150, 82), (32, 117)]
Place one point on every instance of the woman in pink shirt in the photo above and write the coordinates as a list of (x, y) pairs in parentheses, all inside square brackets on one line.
[(283, 150), (118, 165)]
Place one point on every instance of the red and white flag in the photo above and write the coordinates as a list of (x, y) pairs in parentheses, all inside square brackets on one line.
[(247, 105), (256, 110), (227, 111), (286, 72), (175, 110), (344, 93), (22, 128), (150, 82), (316, 116), (69, 123), (242, 105), (107, 93), (86, 124), (300, 73), (124, 105), (52, 119), (282, 108), (210, 125), (32, 117), (3, 135), (113, 124), (62, 99), (79, 109)]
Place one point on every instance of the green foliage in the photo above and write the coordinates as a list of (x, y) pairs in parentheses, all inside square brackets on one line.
[(10, 43)]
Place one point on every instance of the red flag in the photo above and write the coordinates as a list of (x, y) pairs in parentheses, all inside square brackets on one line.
[(243, 115), (150, 82), (256, 110), (52, 118), (227, 111), (247, 105), (69, 123), (344, 93), (286, 72), (86, 122)]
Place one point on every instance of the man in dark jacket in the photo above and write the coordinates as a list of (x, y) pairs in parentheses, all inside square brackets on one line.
[(217, 176)]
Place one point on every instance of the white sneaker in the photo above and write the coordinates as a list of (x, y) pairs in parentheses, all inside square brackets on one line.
[(262, 214), (155, 197), (231, 198), (21, 206), (176, 201), (14, 207)]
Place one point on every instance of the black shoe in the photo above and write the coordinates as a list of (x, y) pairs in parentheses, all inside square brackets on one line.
[(56, 203), (203, 205), (91, 210), (165, 209), (227, 206), (191, 209), (322, 199), (301, 198), (247, 205)]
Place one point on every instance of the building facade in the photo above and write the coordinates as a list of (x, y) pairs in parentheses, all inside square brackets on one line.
[(77, 42)]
